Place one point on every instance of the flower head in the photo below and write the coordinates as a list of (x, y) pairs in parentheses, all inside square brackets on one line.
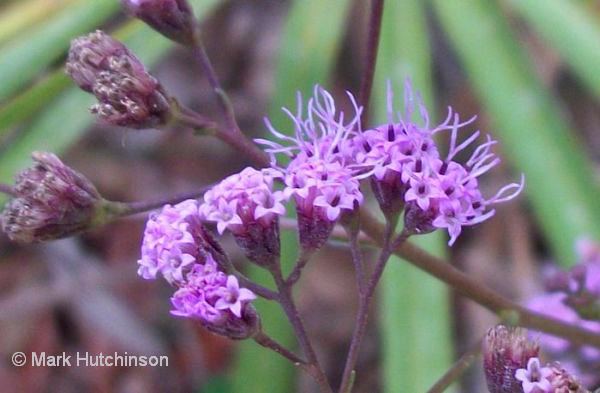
[(438, 192), (127, 94), (321, 177), (505, 350), (52, 201), (216, 299), (174, 241), (247, 205), (172, 18)]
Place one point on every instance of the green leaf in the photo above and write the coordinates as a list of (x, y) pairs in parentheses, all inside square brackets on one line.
[(307, 53), (25, 58), (560, 184), (67, 118), (570, 28), (416, 333)]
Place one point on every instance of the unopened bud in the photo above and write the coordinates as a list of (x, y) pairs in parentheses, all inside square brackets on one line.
[(172, 18), (51, 201), (506, 350), (127, 94)]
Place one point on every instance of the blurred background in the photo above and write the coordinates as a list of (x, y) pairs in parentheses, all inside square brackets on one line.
[(528, 68)]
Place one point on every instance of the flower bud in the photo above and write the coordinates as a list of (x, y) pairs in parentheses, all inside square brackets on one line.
[(127, 94), (506, 350), (52, 201), (172, 18)]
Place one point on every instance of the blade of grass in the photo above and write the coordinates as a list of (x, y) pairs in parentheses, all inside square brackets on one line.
[(61, 123), (572, 30), (414, 309), (25, 58), (21, 15), (560, 184), (307, 52)]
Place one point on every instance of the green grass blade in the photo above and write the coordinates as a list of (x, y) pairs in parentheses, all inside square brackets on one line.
[(19, 16), (307, 53), (61, 123), (25, 58), (560, 184), (570, 28), (414, 308)]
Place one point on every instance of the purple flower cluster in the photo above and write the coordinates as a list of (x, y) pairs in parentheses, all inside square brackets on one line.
[(438, 192), (175, 245), (242, 199), (329, 157), (573, 296), (321, 179)]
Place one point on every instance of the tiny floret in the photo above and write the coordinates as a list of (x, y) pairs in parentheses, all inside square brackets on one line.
[(535, 378), (52, 201)]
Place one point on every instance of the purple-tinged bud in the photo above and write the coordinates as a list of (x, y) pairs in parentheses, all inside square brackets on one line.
[(52, 201), (127, 94), (89, 55), (506, 350), (172, 18)]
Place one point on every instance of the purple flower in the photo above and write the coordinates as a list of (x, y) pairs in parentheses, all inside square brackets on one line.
[(216, 300), (52, 201), (247, 206), (244, 198), (321, 177), (172, 18), (408, 168), (535, 378), (233, 298), (170, 244)]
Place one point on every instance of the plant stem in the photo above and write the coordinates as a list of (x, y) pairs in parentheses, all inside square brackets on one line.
[(298, 266), (264, 340), (366, 298), (366, 83), (289, 307), (512, 312), (130, 208), (7, 189), (457, 369), (357, 258)]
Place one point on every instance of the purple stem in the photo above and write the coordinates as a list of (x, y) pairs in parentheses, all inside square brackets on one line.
[(263, 339), (297, 271), (366, 84), (132, 208), (357, 257), (289, 307), (8, 190), (366, 298)]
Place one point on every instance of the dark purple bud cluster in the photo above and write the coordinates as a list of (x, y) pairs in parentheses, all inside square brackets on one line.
[(52, 201), (127, 94)]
